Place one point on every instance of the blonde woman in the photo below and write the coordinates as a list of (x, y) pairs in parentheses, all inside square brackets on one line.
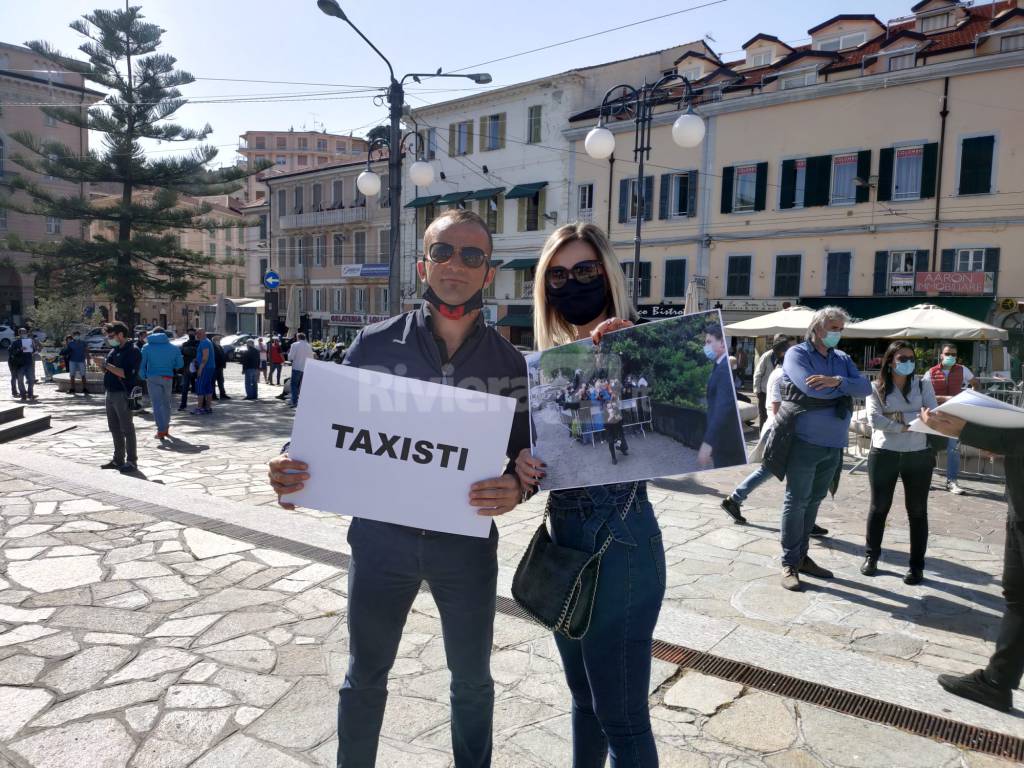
[(580, 292)]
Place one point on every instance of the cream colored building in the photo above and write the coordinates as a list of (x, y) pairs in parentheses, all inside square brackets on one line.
[(291, 151), (329, 244), (26, 82), (877, 167)]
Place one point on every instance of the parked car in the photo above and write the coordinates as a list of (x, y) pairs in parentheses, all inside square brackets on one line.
[(6, 336), (234, 344)]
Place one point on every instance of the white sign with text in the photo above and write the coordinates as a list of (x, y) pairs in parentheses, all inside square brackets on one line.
[(395, 449)]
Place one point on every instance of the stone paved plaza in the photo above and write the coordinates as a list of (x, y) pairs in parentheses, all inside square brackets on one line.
[(134, 632)]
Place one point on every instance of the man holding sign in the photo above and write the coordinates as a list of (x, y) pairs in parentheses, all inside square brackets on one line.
[(445, 342)]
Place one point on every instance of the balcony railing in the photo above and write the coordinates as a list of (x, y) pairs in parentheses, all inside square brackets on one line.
[(586, 215), (323, 218)]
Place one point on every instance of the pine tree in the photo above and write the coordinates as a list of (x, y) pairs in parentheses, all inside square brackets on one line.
[(143, 86)]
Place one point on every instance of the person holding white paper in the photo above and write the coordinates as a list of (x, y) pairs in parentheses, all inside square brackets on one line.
[(580, 293), (897, 453), (949, 378), (994, 685), (446, 342)]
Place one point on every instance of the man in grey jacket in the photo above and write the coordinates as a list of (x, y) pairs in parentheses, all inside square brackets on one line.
[(767, 363)]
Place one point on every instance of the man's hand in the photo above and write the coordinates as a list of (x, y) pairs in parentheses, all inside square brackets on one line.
[(819, 382), (608, 326), (704, 455), (115, 370), (286, 476), (948, 425), (496, 496), (529, 469)]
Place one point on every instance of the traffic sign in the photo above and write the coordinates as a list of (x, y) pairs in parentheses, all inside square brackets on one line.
[(271, 280)]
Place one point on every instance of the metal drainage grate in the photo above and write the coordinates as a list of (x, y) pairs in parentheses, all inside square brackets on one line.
[(885, 713)]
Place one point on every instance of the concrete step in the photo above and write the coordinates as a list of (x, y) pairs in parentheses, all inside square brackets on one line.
[(11, 413), (27, 425)]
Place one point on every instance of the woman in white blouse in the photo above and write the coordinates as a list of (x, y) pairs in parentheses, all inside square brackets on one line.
[(896, 453)]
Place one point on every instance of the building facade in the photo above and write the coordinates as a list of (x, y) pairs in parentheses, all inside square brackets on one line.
[(875, 168), (26, 82), (331, 247), (291, 151)]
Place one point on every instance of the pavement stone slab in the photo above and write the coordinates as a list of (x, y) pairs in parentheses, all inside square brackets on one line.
[(105, 741)]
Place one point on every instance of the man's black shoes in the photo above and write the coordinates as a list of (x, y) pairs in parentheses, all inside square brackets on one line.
[(733, 510), (818, 531), (976, 687)]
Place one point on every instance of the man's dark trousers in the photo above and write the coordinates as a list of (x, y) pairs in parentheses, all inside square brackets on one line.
[(389, 562), (762, 408), (1007, 664), (188, 383)]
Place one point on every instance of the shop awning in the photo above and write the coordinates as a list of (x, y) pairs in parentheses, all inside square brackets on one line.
[(525, 190), (522, 263), (485, 194), (425, 200), (867, 307), (516, 321), (496, 262), (452, 198)]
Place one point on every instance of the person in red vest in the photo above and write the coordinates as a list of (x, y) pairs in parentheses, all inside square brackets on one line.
[(949, 379)]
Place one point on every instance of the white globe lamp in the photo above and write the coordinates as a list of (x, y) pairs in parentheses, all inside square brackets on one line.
[(600, 143), (421, 173), (368, 183), (688, 130)]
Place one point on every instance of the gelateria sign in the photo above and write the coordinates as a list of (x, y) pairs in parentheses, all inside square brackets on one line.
[(960, 283), (357, 319)]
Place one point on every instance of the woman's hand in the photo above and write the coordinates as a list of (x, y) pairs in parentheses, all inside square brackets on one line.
[(704, 455), (496, 496), (286, 476), (948, 425), (529, 469), (608, 326)]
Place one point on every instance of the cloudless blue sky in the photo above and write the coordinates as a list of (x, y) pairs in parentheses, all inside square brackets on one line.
[(292, 40)]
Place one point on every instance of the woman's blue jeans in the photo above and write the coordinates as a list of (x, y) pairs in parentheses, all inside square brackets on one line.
[(609, 670)]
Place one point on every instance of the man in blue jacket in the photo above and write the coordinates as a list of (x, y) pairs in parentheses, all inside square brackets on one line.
[(817, 369), (160, 359), (445, 341), (723, 435)]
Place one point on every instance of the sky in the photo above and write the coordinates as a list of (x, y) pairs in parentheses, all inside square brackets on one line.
[(331, 73)]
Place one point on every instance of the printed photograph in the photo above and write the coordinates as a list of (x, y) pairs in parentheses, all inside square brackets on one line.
[(654, 400)]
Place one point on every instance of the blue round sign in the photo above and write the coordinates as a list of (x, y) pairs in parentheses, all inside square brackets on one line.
[(271, 280)]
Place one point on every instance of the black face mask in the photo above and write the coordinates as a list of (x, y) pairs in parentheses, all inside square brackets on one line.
[(579, 303), (457, 311)]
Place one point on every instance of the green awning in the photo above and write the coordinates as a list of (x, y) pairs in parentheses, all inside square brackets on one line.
[(516, 321), (421, 202), (867, 307), (521, 263), (452, 198), (525, 190), (485, 194)]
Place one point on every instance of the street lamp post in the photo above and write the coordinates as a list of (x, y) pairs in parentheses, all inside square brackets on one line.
[(687, 131), (396, 104)]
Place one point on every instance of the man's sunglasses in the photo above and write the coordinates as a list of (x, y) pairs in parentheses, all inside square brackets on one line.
[(441, 253), (582, 272)]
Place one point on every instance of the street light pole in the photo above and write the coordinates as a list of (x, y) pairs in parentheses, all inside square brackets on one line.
[(396, 105), (687, 131)]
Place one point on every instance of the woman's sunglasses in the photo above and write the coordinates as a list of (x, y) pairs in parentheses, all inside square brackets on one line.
[(582, 272), (441, 253)]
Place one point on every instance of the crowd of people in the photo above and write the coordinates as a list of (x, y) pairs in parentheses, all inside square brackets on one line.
[(593, 406)]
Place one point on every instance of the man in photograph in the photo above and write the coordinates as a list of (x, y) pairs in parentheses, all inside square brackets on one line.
[(723, 441)]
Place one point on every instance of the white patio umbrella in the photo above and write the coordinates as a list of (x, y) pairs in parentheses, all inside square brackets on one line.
[(792, 321), (220, 320), (925, 321), (692, 304), (292, 315)]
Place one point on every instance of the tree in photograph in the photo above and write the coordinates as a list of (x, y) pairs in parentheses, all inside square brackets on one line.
[(137, 248)]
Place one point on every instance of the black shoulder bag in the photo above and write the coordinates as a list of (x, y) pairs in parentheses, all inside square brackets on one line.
[(556, 585)]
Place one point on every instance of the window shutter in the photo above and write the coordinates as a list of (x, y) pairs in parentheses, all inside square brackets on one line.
[(452, 146), (648, 198), (502, 119), (886, 158), (500, 202), (521, 224), (948, 260), (992, 265), (484, 135), (645, 273), (881, 270), (929, 169), (818, 175), (691, 194), (469, 137), (727, 179), (761, 187), (787, 196), (863, 172), (976, 165), (665, 194), (921, 263), (623, 201), (541, 209)]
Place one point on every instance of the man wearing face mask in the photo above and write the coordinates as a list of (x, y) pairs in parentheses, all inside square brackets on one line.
[(949, 379), (723, 439), (818, 385), (446, 342), (119, 377)]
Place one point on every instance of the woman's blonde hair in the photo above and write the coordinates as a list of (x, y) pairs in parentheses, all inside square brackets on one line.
[(551, 329)]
